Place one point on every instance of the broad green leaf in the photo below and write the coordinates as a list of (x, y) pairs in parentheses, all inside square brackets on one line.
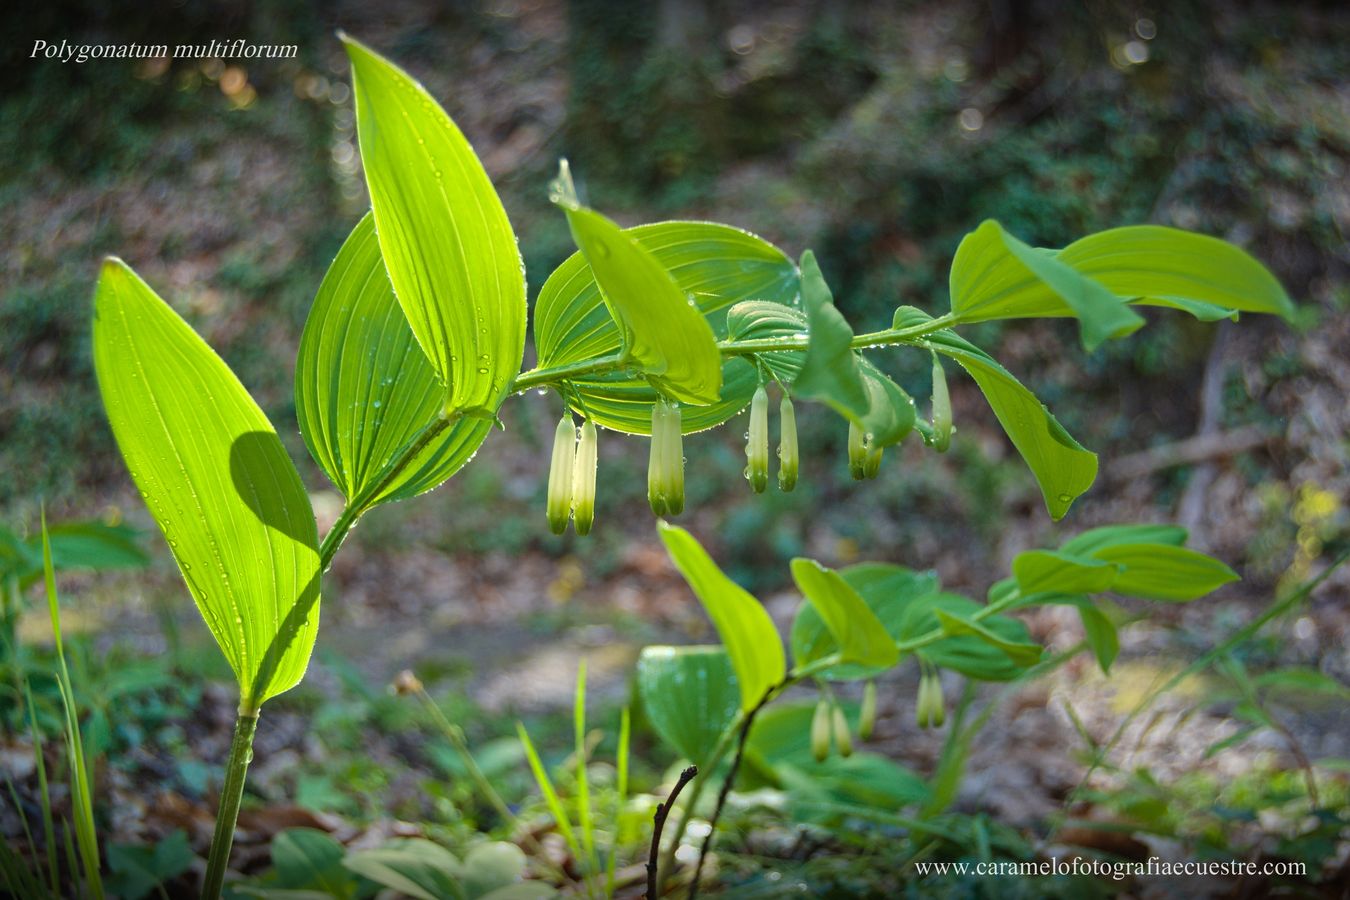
[(886, 589), (970, 654), (996, 276), (1159, 266), (829, 372), (690, 695), (412, 866), (1300, 680), (716, 265), (663, 332), (1020, 652), (859, 635), (363, 387), (217, 480), (1101, 634), (778, 751), (742, 623), (135, 871), (444, 236), (1094, 539), (1063, 468), (94, 545), (1039, 571), (766, 320), (309, 858), (1165, 572), (492, 866)]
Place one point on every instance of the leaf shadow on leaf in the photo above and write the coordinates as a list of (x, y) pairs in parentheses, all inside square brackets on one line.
[(254, 457)]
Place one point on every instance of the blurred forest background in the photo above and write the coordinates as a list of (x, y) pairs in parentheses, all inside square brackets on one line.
[(875, 134)]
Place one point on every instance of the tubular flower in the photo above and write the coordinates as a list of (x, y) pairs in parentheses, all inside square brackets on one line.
[(787, 445), (872, 465), (665, 469), (583, 480), (820, 731), (559, 506), (674, 459), (656, 465), (942, 408), (757, 442), (857, 452), (867, 713), (842, 739), (930, 710)]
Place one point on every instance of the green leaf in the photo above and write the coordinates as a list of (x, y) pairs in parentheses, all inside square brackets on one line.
[(830, 370), (1021, 653), (491, 866), (663, 332), (779, 750), (1158, 266), (92, 545), (889, 413), (971, 655), (1062, 467), (217, 480), (443, 233), (1165, 572), (363, 387), (717, 265), (412, 866), (137, 870), (309, 858), (690, 694), (858, 633), (1089, 542), (742, 623), (1101, 634), (1299, 680), (1039, 571), (886, 589), (996, 276)]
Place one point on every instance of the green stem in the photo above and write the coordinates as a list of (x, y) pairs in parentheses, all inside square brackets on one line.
[(554, 374), (603, 364), (236, 769), (357, 507), (724, 741)]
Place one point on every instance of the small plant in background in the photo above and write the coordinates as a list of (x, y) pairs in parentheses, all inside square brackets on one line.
[(415, 341)]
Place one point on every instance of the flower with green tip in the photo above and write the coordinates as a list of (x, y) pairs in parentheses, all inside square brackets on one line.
[(559, 507), (787, 445), (867, 712), (942, 408), (583, 480), (842, 738), (820, 731), (665, 467), (757, 442), (857, 452)]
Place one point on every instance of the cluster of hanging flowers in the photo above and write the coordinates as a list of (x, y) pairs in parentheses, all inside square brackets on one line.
[(571, 482), (930, 710), (757, 443), (571, 477)]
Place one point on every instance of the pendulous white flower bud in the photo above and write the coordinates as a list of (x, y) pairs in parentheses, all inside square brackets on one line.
[(757, 442), (583, 480), (559, 507), (787, 445), (942, 408)]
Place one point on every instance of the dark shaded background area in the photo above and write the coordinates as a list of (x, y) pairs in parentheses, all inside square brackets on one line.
[(875, 134)]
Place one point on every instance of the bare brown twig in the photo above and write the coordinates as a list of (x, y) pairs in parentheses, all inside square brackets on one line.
[(659, 823)]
